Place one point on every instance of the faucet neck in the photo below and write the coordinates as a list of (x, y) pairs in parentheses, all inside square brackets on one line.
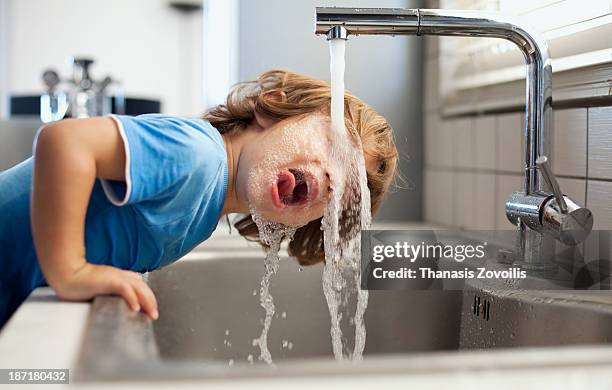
[(538, 91)]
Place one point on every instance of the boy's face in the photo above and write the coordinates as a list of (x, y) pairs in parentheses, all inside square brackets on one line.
[(285, 175)]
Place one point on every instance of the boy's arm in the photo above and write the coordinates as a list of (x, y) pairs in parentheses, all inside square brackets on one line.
[(69, 155)]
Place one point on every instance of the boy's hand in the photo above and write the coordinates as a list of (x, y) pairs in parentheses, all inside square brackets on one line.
[(91, 280)]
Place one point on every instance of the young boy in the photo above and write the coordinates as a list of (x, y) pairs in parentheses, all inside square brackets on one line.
[(106, 198)]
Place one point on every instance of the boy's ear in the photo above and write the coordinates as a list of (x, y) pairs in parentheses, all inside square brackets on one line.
[(275, 95), (264, 122)]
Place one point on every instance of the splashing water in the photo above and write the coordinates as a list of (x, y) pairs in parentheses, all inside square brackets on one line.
[(347, 213), (271, 234)]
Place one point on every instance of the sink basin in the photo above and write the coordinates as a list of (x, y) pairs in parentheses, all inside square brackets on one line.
[(210, 314), (201, 301)]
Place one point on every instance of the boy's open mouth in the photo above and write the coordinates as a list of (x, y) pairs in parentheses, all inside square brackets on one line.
[(293, 187)]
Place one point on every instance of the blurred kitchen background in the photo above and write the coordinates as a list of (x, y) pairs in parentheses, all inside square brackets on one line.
[(186, 55), (455, 103)]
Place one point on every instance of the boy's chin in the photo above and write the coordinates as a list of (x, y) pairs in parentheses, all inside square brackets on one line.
[(282, 218), (262, 207)]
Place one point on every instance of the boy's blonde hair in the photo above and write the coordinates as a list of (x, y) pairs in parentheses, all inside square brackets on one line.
[(281, 94)]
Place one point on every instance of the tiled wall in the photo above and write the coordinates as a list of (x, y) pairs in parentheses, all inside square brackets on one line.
[(473, 163)]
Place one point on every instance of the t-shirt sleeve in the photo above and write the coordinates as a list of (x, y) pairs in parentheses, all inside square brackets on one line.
[(161, 153)]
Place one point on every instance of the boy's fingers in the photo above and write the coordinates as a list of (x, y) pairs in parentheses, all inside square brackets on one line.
[(152, 299), (134, 275), (126, 291), (147, 298)]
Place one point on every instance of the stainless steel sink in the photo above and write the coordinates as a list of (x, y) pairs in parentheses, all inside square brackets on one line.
[(202, 300), (210, 314)]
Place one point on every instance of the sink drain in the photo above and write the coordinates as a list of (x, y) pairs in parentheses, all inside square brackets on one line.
[(481, 307)]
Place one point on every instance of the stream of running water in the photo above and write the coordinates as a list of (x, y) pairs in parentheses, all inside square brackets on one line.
[(272, 234), (347, 213)]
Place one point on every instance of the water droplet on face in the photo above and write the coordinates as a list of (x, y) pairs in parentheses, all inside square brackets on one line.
[(284, 314)]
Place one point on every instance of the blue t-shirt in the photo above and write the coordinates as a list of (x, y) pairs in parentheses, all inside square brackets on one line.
[(176, 180)]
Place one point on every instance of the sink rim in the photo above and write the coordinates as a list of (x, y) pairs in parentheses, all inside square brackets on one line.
[(106, 356)]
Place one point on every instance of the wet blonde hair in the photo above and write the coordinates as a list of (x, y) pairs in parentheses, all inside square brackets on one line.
[(281, 94)]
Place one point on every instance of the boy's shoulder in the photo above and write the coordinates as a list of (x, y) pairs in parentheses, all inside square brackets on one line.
[(178, 121), (188, 142), (198, 130)]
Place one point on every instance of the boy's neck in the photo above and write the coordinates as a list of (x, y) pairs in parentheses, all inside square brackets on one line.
[(233, 147), (230, 205)]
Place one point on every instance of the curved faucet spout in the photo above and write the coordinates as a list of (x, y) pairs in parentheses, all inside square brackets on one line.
[(395, 21), (538, 218)]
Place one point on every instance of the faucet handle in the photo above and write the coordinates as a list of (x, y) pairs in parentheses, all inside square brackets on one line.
[(562, 218), (51, 79), (551, 180)]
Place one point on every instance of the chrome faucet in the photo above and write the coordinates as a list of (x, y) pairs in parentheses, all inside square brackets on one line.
[(539, 215), (80, 96)]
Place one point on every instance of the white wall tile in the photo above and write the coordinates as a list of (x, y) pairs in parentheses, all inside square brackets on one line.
[(574, 188), (463, 153), (438, 198), (446, 214), (569, 155), (509, 138), (484, 142), (600, 203), (431, 140), (485, 204), (430, 85), (600, 142), (505, 185), (429, 198), (463, 201), (431, 46), (444, 147)]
